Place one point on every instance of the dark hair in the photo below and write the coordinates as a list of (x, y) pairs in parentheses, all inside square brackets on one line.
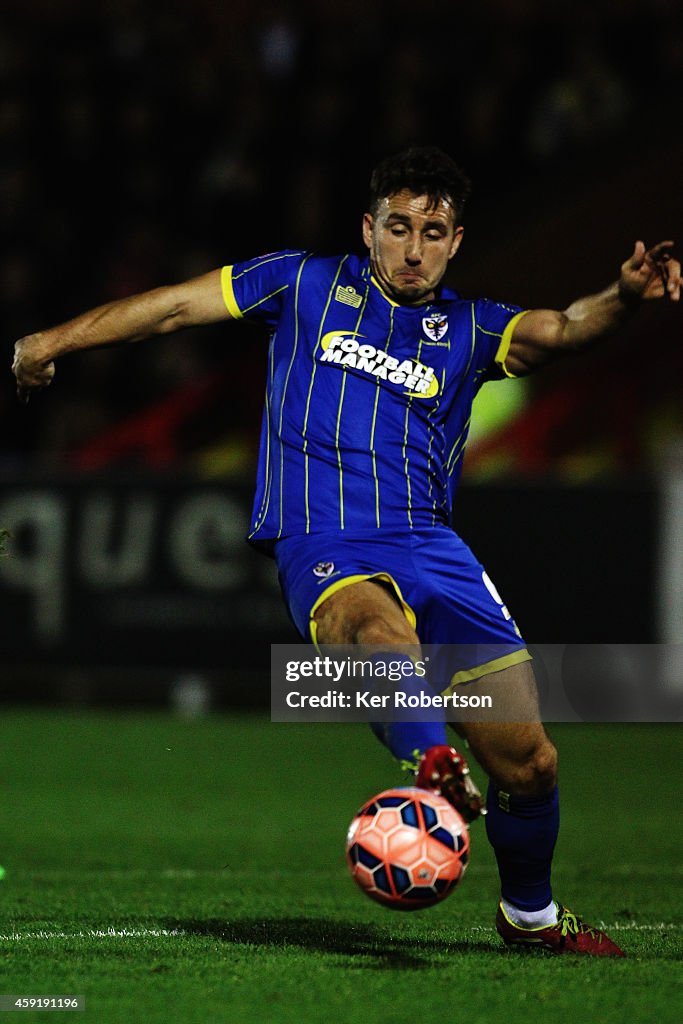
[(424, 171)]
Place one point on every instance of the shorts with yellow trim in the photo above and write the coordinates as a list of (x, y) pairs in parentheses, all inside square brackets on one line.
[(445, 593)]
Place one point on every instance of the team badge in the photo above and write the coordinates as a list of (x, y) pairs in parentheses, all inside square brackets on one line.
[(435, 326), (323, 569)]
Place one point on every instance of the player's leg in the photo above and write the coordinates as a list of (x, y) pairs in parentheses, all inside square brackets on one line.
[(368, 614), (340, 591), (514, 750), (364, 613), (522, 820)]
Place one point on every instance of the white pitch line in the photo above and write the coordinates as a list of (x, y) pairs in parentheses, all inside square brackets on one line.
[(162, 933), (630, 926), (98, 933)]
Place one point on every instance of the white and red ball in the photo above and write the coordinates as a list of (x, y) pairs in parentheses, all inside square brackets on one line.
[(407, 848)]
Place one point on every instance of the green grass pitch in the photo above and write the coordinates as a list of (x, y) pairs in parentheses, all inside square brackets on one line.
[(193, 871)]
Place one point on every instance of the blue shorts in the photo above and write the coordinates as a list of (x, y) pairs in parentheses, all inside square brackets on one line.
[(445, 593)]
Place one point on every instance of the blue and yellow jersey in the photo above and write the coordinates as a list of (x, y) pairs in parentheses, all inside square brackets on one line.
[(368, 402)]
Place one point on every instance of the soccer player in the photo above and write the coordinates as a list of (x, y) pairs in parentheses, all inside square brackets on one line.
[(373, 367)]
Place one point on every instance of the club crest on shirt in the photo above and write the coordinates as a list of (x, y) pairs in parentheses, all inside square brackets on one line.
[(323, 569), (435, 326)]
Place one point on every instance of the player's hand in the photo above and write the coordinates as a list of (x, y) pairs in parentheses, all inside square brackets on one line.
[(651, 274), (31, 371)]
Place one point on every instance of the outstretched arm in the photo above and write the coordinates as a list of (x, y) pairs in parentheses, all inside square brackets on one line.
[(544, 334), (160, 311)]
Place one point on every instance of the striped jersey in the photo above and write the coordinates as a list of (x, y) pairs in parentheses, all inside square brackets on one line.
[(368, 402)]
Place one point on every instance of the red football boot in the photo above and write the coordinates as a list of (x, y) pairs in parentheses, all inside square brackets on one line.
[(443, 770), (568, 935)]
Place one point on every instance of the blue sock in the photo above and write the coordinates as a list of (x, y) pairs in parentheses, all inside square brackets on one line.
[(523, 831), (408, 740)]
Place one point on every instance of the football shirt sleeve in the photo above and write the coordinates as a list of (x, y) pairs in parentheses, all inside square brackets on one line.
[(494, 324), (257, 288)]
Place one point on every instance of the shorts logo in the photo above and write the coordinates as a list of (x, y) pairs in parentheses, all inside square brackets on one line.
[(435, 326), (323, 569)]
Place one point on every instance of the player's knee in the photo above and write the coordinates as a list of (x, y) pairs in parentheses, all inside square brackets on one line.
[(536, 774)]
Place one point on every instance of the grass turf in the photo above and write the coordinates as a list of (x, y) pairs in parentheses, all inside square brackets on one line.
[(193, 871)]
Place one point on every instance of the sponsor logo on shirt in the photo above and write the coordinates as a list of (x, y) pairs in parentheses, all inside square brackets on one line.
[(344, 349)]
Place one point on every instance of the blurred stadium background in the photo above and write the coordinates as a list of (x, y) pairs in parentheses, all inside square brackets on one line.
[(145, 142)]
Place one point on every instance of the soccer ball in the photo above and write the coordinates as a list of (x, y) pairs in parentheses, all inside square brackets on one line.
[(407, 848)]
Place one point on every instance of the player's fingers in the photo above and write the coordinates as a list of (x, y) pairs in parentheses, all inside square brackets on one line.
[(672, 277), (636, 261), (660, 251), (36, 380)]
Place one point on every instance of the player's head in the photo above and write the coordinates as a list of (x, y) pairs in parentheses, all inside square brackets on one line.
[(413, 224), (424, 171)]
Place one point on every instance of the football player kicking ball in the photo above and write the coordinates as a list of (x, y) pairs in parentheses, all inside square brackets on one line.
[(373, 367)]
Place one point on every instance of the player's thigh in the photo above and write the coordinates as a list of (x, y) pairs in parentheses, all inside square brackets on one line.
[(514, 749), (366, 612)]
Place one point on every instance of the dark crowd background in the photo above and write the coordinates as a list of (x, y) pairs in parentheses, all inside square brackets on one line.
[(146, 142)]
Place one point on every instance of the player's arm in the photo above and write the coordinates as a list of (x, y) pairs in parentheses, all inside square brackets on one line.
[(544, 334), (160, 311)]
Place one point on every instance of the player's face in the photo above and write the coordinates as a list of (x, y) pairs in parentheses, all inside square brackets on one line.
[(410, 243)]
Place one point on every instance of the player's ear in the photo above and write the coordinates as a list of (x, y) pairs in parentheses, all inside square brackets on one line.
[(457, 239), (367, 229)]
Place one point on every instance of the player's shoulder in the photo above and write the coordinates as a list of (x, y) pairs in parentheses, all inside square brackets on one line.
[(340, 266), (490, 305), (476, 302), (270, 262), (347, 265), (480, 308), (346, 276)]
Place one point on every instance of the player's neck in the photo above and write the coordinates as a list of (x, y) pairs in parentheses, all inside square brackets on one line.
[(396, 298)]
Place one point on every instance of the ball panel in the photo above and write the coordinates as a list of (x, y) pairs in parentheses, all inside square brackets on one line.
[(401, 879), (442, 835), (429, 815), (391, 800), (409, 815)]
